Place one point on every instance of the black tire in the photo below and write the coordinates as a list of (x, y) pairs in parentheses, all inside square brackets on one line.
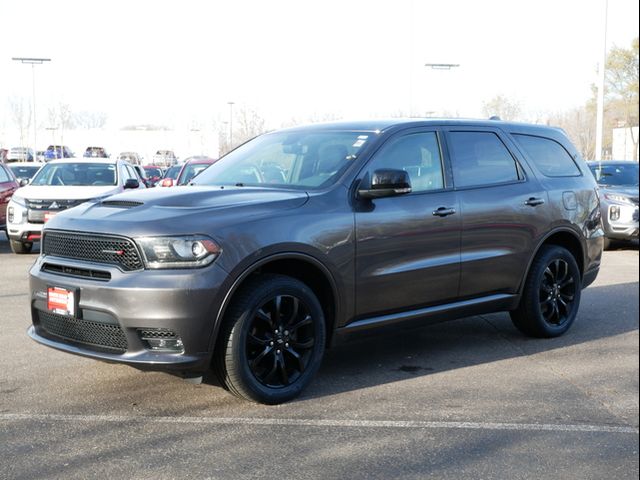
[(606, 245), (271, 341), (551, 295), (20, 247)]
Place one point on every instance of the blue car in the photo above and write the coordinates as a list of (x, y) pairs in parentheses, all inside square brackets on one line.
[(57, 151)]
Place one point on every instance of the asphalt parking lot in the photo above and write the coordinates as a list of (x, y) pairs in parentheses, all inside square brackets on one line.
[(466, 399)]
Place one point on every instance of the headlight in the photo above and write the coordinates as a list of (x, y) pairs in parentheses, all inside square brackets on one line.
[(178, 252), (618, 198), (19, 200)]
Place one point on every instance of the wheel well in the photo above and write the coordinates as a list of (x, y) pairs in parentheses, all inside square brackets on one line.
[(571, 243), (312, 276)]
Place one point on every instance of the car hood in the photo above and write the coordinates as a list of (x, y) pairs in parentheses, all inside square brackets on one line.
[(630, 191), (65, 192), (177, 210)]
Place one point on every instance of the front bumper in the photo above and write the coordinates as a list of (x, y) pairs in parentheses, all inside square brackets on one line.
[(25, 232), (625, 226), (185, 302)]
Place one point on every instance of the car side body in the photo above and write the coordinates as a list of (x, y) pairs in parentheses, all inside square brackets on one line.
[(462, 241)]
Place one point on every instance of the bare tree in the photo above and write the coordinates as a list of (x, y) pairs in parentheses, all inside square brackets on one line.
[(579, 124), (89, 119), (21, 116), (503, 107)]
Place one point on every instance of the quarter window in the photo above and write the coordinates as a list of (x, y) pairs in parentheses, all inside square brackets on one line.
[(548, 156), (480, 158), (419, 155), (4, 177)]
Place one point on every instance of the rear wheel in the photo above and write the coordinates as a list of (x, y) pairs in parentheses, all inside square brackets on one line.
[(551, 295), (272, 340), (20, 247)]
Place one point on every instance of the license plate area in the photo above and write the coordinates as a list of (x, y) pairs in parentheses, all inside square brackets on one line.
[(63, 301)]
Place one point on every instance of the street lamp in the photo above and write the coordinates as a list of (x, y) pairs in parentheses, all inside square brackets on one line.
[(600, 98), (33, 62), (441, 66), (230, 122)]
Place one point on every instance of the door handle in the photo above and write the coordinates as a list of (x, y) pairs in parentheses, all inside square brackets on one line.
[(444, 211), (534, 202)]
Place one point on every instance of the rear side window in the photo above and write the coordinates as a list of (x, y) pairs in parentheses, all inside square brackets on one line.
[(548, 155), (480, 158)]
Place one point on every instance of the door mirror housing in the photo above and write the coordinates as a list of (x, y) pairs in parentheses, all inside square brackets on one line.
[(385, 182), (131, 183), (23, 182)]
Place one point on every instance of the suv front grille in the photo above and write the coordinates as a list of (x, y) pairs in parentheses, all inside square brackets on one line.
[(95, 334), (37, 208), (117, 251)]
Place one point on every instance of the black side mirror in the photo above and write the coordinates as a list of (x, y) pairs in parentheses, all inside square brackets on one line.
[(131, 183), (23, 182), (385, 183)]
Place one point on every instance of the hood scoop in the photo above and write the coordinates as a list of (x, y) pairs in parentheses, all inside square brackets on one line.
[(121, 203)]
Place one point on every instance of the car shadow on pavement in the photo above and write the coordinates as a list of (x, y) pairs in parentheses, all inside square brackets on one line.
[(471, 341)]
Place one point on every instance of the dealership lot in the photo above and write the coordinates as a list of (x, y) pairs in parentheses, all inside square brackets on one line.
[(468, 399)]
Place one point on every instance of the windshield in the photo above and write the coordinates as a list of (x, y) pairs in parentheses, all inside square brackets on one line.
[(173, 172), (22, 171), (191, 170), (153, 172), (300, 159), (616, 174), (76, 174)]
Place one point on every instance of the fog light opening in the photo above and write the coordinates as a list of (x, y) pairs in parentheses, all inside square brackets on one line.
[(159, 340)]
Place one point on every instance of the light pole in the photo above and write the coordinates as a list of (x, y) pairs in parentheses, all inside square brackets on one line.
[(441, 66), (230, 123), (600, 101), (33, 62)]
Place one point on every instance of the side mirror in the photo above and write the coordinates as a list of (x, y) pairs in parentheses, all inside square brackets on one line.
[(24, 182), (385, 183), (131, 183)]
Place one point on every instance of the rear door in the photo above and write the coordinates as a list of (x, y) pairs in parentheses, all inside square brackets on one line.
[(408, 246), (8, 185), (504, 208)]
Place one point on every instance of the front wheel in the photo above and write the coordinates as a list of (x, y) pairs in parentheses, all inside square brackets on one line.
[(20, 247), (271, 341), (551, 295)]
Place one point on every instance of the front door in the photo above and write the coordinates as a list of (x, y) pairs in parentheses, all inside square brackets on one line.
[(408, 246)]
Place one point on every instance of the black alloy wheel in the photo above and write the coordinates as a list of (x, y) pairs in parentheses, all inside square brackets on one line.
[(551, 295), (280, 341), (271, 341), (557, 292)]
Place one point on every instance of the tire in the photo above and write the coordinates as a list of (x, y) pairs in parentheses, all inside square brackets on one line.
[(551, 295), (265, 359), (606, 245), (20, 247)]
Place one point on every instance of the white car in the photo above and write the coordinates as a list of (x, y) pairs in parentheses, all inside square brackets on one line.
[(59, 185), (20, 154)]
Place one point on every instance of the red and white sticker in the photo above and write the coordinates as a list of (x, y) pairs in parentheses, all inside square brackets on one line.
[(61, 301)]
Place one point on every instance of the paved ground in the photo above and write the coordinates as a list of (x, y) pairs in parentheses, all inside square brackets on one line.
[(467, 399)]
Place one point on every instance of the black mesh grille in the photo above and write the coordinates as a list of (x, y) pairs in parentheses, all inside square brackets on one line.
[(157, 333), (102, 335), (94, 248)]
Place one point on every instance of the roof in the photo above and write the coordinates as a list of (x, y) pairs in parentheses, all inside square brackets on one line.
[(110, 161), (380, 125)]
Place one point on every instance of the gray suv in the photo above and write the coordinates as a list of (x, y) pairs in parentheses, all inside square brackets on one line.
[(306, 236)]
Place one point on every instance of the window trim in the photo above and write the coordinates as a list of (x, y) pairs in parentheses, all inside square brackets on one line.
[(444, 153), (520, 170), (515, 136)]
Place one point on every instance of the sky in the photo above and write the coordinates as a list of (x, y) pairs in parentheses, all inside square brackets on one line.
[(180, 62)]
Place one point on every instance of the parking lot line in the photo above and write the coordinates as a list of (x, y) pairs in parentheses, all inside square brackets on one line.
[(302, 422)]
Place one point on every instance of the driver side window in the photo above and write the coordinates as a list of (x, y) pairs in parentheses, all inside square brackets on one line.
[(419, 155)]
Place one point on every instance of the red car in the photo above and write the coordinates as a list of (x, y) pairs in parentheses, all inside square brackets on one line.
[(154, 174), (8, 185), (192, 167)]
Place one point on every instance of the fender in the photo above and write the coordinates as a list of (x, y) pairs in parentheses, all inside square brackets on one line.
[(539, 245), (292, 255)]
